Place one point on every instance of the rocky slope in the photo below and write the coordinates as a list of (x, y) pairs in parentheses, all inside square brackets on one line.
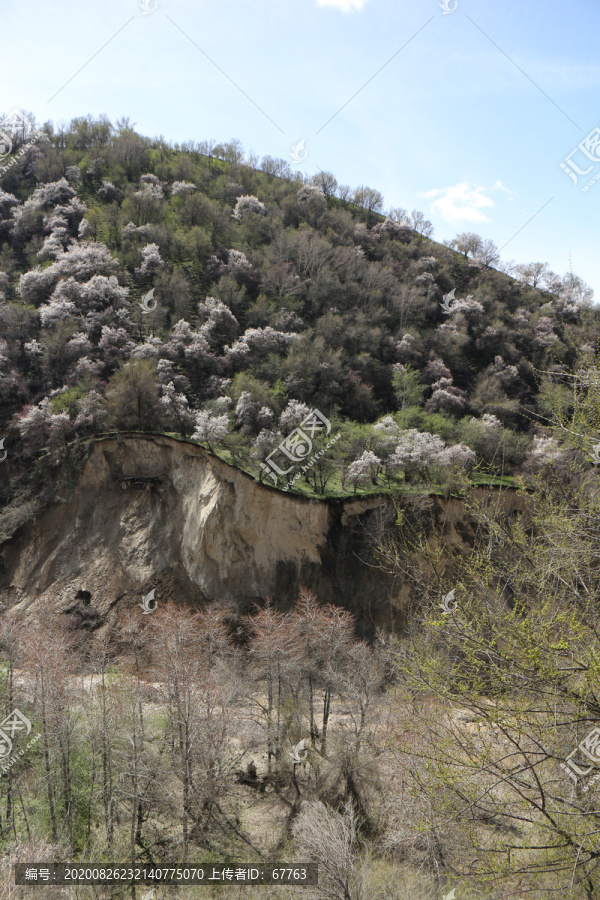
[(150, 512)]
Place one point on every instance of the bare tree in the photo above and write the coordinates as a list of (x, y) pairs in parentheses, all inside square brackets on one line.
[(468, 243), (197, 694), (369, 199), (532, 273), (274, 652), (325, 635), (48, 654), (420, 224), (11, 631), (330, 838)]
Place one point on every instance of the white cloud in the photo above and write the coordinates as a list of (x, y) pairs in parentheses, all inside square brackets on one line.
[(460, 202), (500, 187), (343, 5)]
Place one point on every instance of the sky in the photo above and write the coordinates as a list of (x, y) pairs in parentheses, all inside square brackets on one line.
[(464, 109)]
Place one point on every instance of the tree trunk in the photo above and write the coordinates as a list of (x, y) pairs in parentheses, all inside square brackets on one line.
[(47, 770), (9, 784), (326, 709)]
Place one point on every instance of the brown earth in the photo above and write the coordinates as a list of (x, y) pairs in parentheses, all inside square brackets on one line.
[(150, 512)]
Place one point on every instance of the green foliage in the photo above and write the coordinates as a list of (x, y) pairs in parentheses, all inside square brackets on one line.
[(68, 401), (361, 294), (517, 656), (407, 388)]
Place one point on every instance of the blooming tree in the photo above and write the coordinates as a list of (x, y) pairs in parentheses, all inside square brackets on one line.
[(459, 456), (72, 174), (446, 398), (434, 371), (177, 409), (151, 261), (366, 466), (246, 205), (7, 202), (92, 411), (264, 340), (182, 188), (544, 451), (294, 413), (56, 311), (415, 451), (219, 325), (210, 429), (107, 191), (266, 441)]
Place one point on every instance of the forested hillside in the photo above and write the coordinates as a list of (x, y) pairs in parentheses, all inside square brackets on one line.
[(192, 292), (188, 290)]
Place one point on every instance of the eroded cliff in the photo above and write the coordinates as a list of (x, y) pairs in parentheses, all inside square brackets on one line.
[(149, 512)]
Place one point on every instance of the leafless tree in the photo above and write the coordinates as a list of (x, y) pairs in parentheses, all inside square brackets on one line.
[(330, 838)]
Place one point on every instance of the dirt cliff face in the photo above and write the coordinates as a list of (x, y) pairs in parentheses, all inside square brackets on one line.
[(150, 512)]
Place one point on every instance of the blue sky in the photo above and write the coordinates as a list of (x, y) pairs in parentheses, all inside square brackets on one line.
[(465, 115)]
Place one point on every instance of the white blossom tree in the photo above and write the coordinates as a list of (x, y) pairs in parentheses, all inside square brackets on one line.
[(265, 442), (468, 243), (247, 204), (107, 191), (56, 311), (92, 412), (545, 451), (446, 398), (238, 262), (246, 413), (182, 188), (458, 456), (294, 413), (7, 202), (32, 424), (151, 261), (210, 429), (176, 407), (219, 325), (415, 451), (264, 340), (367, 466)]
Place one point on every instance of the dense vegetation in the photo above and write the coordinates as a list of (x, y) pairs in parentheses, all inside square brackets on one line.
[(267, 295), (186, 290)]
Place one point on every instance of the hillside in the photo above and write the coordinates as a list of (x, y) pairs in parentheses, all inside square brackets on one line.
[(298, 535), (266, 298)]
